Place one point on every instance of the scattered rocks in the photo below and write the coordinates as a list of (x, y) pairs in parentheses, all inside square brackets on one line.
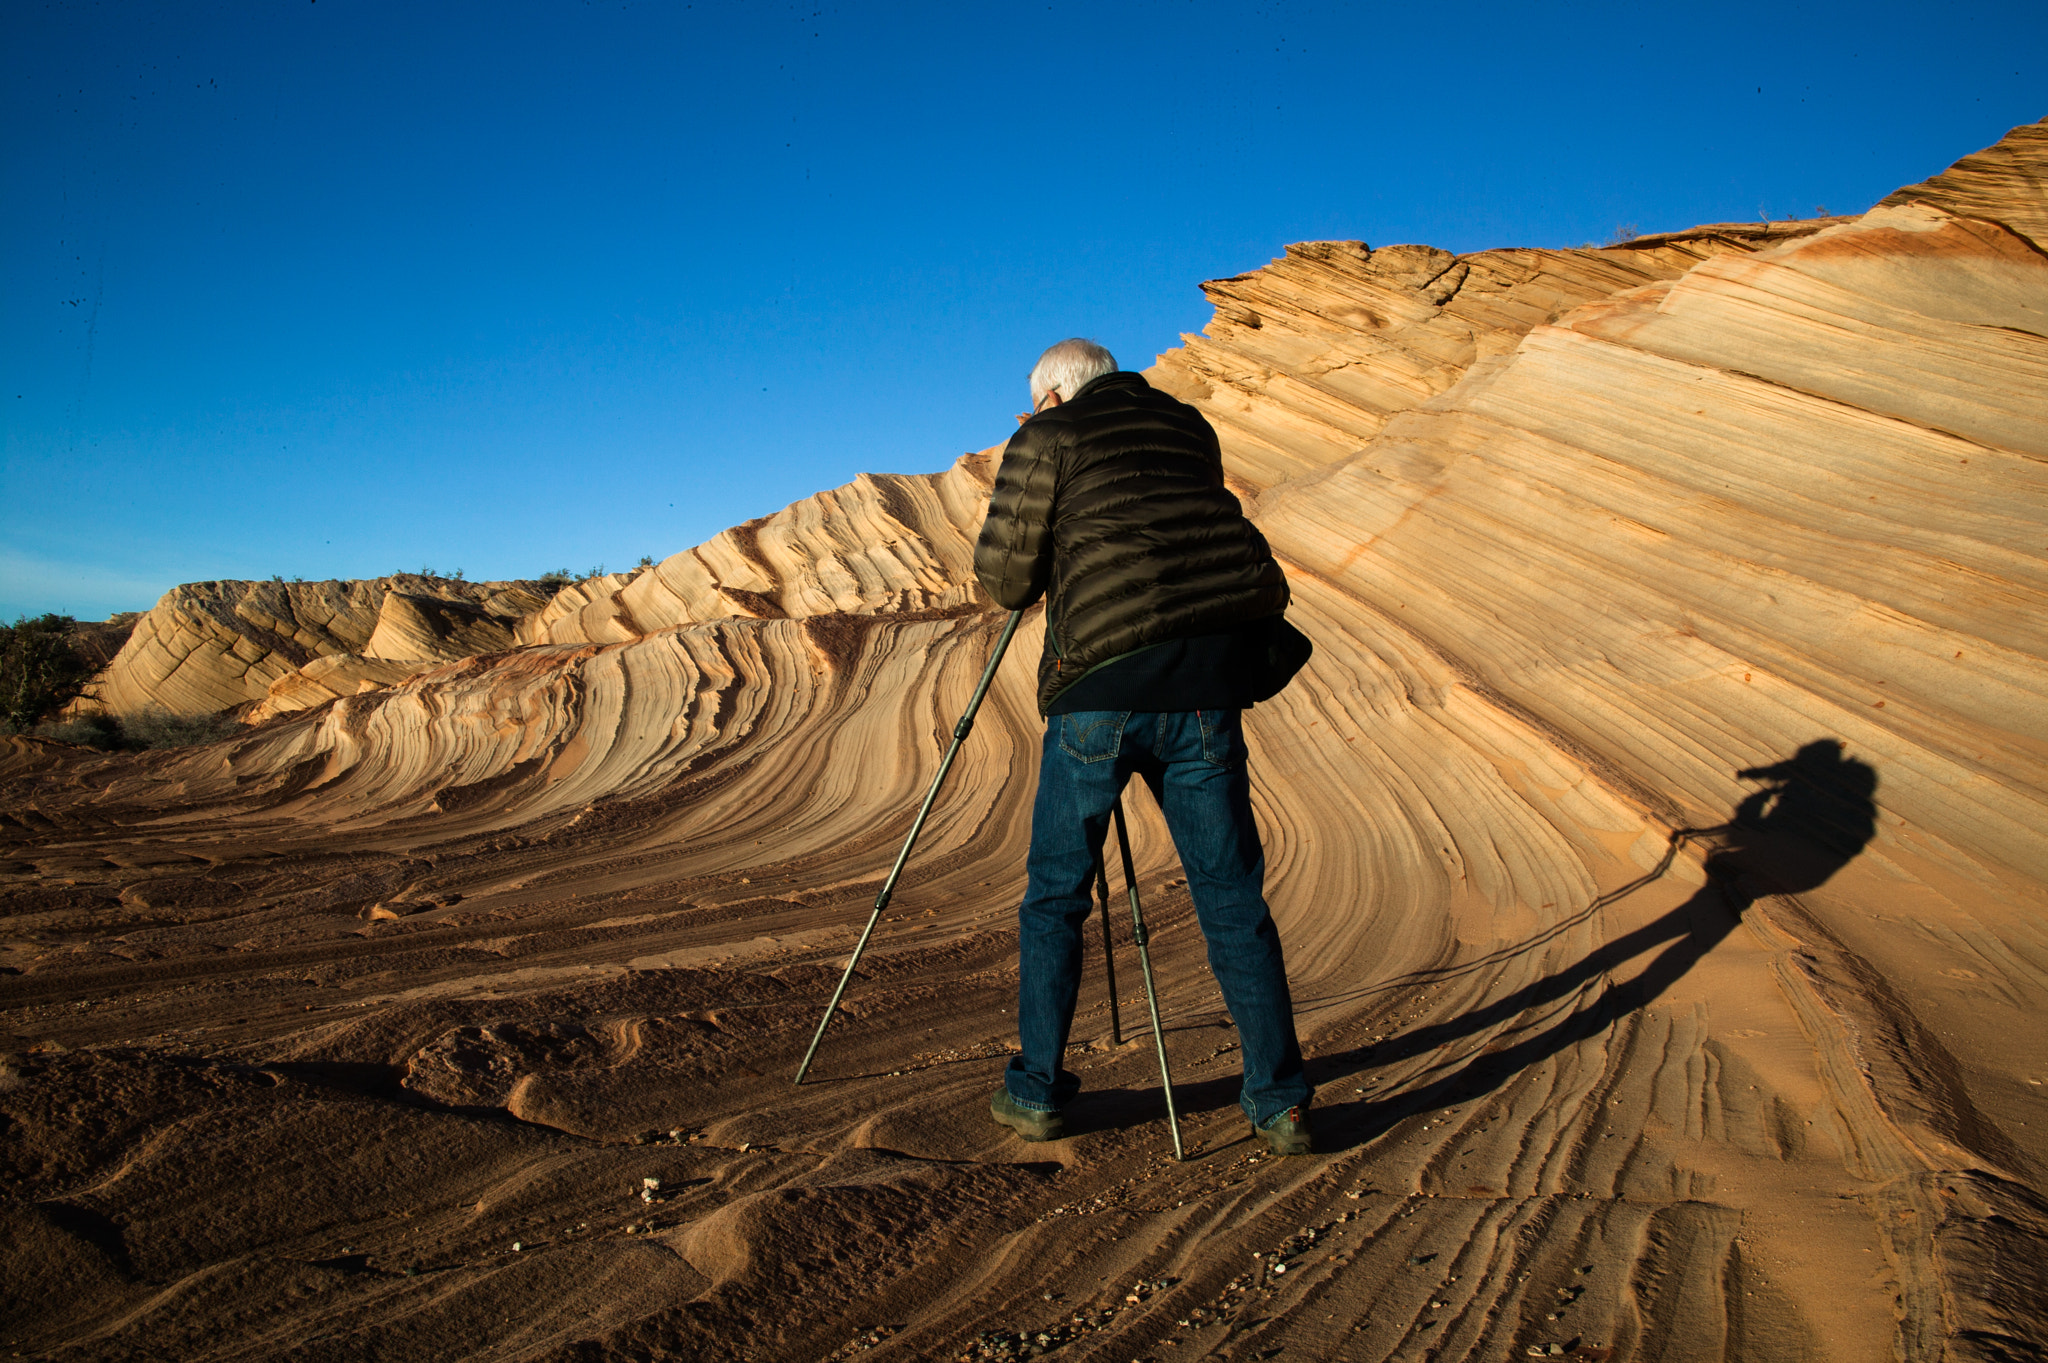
[(865, 1340)]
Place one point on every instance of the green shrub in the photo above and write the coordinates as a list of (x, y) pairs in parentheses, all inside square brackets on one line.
[(90, 731), (153, 728), (156, 728), (41, 669)]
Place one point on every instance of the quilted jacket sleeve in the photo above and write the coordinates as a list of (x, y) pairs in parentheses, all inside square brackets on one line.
[(1013, 557)]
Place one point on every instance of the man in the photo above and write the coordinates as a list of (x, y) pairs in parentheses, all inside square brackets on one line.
[(1161, 604)]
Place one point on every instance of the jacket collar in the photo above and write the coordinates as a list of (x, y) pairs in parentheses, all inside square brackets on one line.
[(1121, 378)]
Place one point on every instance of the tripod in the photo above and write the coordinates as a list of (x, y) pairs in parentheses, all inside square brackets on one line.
[(1138, 933)]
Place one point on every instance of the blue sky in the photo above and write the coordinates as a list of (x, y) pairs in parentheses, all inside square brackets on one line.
[(344, 287)]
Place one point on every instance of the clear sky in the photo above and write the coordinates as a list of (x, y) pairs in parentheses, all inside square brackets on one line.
[(335, 288)]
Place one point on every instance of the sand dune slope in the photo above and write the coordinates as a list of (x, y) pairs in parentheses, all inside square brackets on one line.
[(1657, 838)]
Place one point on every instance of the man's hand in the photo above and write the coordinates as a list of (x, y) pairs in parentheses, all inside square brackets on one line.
[(1051, 399)]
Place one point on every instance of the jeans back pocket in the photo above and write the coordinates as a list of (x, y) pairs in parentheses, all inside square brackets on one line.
[(1222, 737), (1092, 735)]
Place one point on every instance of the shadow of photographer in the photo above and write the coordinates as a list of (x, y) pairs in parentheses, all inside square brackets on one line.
[(1813, 814)]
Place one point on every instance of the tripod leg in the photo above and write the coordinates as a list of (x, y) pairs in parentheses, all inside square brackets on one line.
[(1116, 1026), (960, 732), (1123, 839)]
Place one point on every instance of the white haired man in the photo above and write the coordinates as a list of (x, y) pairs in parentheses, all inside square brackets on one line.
[(1163, 622)]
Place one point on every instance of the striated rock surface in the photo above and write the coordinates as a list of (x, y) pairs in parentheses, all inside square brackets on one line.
[(211, 646), (884, 542), (1307, 358), (329, 678), (415, 627), (2000, 184), (1657, 839)]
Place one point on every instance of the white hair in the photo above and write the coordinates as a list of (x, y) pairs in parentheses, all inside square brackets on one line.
[(1067, 368)]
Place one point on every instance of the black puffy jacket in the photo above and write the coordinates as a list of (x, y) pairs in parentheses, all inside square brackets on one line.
[(1114, 504)]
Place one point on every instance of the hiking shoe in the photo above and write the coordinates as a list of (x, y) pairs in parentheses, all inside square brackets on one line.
[(1287, 1133), (1032, 1126)]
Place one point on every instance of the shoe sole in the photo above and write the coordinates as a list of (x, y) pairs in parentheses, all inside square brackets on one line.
[(1279, 1143), (1028, 1130), (1034, 1134)]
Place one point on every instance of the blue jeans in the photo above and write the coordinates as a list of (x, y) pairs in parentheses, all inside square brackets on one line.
[(1194, 763)]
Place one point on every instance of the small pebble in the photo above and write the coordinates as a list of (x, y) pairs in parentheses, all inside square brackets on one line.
[(516, 1247)]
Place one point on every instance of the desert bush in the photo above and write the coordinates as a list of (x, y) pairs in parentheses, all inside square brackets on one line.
[(41, 669), (556, 578), (1625, 231), (157, 728), (91, 731), (153, 728)]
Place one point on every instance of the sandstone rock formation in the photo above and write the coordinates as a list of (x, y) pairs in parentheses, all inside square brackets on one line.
[(884, 542), (97, 641), (211, 646), (329, 678), (1657, 837), (1307, 358)]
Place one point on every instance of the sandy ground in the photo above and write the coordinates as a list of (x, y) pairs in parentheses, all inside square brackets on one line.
[(1657, 837), (283, 1083)]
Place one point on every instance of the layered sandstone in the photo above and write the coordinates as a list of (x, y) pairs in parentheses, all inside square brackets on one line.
[(1308, 358), (884, 542), (212, 646), (1735, 535)]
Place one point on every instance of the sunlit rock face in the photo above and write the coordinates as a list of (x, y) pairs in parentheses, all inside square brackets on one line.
[(211, 646), (1657, 837), (884, 542), (1751, 487), (1308, 358), (329, 678)]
